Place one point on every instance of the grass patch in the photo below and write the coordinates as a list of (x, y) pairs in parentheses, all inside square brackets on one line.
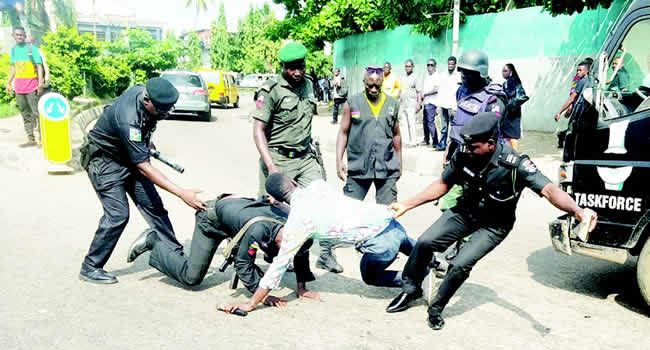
[(8, 110)]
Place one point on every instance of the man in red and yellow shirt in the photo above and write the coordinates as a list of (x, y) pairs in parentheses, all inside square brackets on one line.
[(26, 80)]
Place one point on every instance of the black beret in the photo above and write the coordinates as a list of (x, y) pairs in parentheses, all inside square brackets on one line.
[(480, 128), (162, 93)]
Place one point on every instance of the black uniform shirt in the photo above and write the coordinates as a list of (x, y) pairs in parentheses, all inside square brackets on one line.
[(490, 195), (233, 214), (123, 132)]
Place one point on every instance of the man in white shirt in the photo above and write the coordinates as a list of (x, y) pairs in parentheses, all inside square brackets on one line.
[(410, 104), (430, 98), (449, 83), (321, 212)]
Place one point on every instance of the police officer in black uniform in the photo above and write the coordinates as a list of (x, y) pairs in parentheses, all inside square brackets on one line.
[(493, 176), (116, 158), (224, 218)]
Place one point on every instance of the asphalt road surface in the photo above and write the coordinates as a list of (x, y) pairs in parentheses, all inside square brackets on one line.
[(522, 295)]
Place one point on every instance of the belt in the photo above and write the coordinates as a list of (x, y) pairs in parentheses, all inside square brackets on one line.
[(291, 153)]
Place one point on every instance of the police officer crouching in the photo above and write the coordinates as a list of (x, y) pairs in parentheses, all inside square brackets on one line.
[(492, 176), (116, 158)]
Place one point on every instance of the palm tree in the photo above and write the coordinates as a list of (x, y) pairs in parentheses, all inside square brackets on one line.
[(199, 5), (40, 16)]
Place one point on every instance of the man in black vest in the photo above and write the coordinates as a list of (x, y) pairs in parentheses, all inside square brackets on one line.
[(370, 133)]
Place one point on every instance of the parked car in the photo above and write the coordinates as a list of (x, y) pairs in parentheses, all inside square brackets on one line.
[(254, 80), (222, 89), (193, 93)]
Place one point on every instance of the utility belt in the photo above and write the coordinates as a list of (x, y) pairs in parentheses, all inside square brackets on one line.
[(290, 153)]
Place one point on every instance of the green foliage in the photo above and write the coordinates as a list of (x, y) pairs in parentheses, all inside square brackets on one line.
[(192, 52), (316, 21), (65, 75), (4, 73), (220, 42), (8, 110), (321, 64), (259, 51), (144, 53), (112, 77)]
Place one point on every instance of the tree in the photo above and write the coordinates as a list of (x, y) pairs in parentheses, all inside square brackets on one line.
[(199, 5), (316, 21), (220, 42), (40, 16), (192, 52), (260, 52)]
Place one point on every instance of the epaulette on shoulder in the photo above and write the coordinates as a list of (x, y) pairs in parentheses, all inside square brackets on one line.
[(269, 84), (510, 159)]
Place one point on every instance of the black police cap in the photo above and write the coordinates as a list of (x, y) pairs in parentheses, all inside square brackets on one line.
[(162, 93), (480, 128)]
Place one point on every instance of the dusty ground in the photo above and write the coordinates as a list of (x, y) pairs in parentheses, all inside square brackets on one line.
[(523, 295)]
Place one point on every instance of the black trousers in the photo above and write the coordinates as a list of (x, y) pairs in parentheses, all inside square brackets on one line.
[(112, 182), (448, 229), (358, 189), (189, 269)]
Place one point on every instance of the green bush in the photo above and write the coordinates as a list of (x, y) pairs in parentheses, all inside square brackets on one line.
[(65, 76), (4, 73), (112, 76)]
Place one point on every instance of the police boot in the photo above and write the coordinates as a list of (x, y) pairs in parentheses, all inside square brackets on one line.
[(95, 275), (455, 278), (327, 259), (143, 243)]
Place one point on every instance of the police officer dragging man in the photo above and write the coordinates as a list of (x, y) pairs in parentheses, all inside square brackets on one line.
[(253, 224), (492, 176), (282, 130), (370, 134), (116, 158)]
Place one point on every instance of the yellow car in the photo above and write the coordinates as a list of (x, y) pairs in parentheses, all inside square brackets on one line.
[(222, 89)]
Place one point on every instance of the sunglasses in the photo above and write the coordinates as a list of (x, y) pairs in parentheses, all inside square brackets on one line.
[(375, 86), (375, 70), (430, 65), (160, 110)]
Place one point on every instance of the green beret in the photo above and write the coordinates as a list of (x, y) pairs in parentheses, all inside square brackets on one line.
[(292, 52), (162, 93), (480, 128)]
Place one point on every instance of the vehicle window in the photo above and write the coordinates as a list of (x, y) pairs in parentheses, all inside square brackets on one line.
[(211, 77), (628, 78), (183, 80)]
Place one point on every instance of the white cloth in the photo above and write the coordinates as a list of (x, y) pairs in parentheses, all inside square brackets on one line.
[(321, 212), (431, 83), (411, 87), (407, 124), (449, 84)]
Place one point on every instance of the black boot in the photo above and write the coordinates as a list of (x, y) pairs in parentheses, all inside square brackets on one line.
[(455, 278), (143, 243), (95, 275), (327, 259)]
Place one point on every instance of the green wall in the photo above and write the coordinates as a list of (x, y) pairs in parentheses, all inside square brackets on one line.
[(543, 48)]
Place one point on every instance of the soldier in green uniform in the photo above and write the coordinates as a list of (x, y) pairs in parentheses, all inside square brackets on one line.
[(282, 130)]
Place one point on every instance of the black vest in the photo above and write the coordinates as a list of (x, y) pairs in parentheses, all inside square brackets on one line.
[(371, 154)]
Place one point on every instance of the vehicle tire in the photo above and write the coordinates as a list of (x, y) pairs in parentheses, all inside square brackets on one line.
[(236, 104), (206, 116), (643, 271)]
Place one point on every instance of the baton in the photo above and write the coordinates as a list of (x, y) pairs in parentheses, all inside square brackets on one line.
[(169, 163)]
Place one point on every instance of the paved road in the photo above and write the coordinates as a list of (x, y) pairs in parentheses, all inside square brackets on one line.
[(523, 295)]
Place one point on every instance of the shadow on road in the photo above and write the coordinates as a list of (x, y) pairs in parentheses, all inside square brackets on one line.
[(474, 295), (587, 276)]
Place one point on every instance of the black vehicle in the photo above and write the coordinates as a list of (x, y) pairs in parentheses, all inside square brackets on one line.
[(607, 155)]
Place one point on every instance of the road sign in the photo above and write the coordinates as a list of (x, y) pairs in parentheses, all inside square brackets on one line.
[(54, 112)]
